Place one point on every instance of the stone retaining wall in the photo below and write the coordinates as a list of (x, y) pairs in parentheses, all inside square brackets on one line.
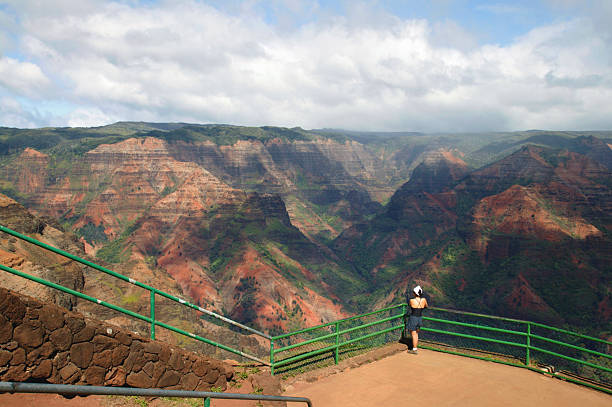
[(45, 343)]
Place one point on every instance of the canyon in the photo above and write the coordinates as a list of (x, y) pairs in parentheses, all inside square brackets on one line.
[(286, 228)]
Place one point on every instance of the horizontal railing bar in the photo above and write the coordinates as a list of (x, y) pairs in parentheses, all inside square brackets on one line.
[(334, 322), (520, 321), (124, 278), (370, 324), (75, 293), (331, 347), (384, 331), (308, 342), (208, 341), (320, 338), (571, 333), (605, 355), (488, 328), (570, 358), (303, 356), (367, 314), (124, 311), (481, 338), (312, 328), (523, 322), (211, 313), (17, 387)]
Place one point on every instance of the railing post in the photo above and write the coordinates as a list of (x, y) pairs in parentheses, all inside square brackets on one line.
[(337, 341), (272, 357), (152, 314), (527, 359), (207, 402)]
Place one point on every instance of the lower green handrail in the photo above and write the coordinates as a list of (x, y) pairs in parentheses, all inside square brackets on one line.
[(527, 345), (150, 320)]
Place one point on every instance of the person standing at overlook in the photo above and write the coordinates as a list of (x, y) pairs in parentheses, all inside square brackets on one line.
[(417, 304)]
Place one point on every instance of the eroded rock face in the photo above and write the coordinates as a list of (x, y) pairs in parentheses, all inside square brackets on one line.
[(160, 208), (524, 211), (28, 173), (25, 257), (168, 204), (560, 198), (58, 352), (14, 216), (425, 205), (499, 235), (253, 283), (129, 178), (33, 171)]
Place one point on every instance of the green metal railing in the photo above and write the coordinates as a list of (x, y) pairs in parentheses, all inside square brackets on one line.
[(348, 335), (521, 346), (560, 353), (577, 358), (153, 293)]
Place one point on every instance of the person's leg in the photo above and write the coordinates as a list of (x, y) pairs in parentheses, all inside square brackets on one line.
[(415, 339)]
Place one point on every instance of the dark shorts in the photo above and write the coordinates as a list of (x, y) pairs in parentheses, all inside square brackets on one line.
[(414, 323)]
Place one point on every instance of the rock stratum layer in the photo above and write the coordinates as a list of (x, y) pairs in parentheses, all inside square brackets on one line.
[(154, 217)]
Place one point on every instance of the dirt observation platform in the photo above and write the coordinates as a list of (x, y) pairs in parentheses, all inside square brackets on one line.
[(396, 379), (438, 379)]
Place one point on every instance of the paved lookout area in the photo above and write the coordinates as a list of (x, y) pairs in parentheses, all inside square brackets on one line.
[(438, 379)]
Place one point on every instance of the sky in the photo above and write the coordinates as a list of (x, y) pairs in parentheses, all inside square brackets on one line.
[(397, 65)]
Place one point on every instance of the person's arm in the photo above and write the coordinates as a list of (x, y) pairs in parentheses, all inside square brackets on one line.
[(426, 304)]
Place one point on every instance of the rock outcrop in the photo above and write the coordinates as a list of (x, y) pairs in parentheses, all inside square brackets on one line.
[(26, 257)]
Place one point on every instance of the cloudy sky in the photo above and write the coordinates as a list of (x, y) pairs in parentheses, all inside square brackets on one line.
[(409, 65)]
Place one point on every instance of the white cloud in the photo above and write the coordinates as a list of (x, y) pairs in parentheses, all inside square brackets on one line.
[(186, 61), (22, 78), (82, 117)]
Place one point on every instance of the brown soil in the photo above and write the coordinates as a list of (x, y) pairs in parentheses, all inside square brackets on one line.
[(434, 378)]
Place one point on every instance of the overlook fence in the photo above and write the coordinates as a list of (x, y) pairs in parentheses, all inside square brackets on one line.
[(156, 297), (560, 353)]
